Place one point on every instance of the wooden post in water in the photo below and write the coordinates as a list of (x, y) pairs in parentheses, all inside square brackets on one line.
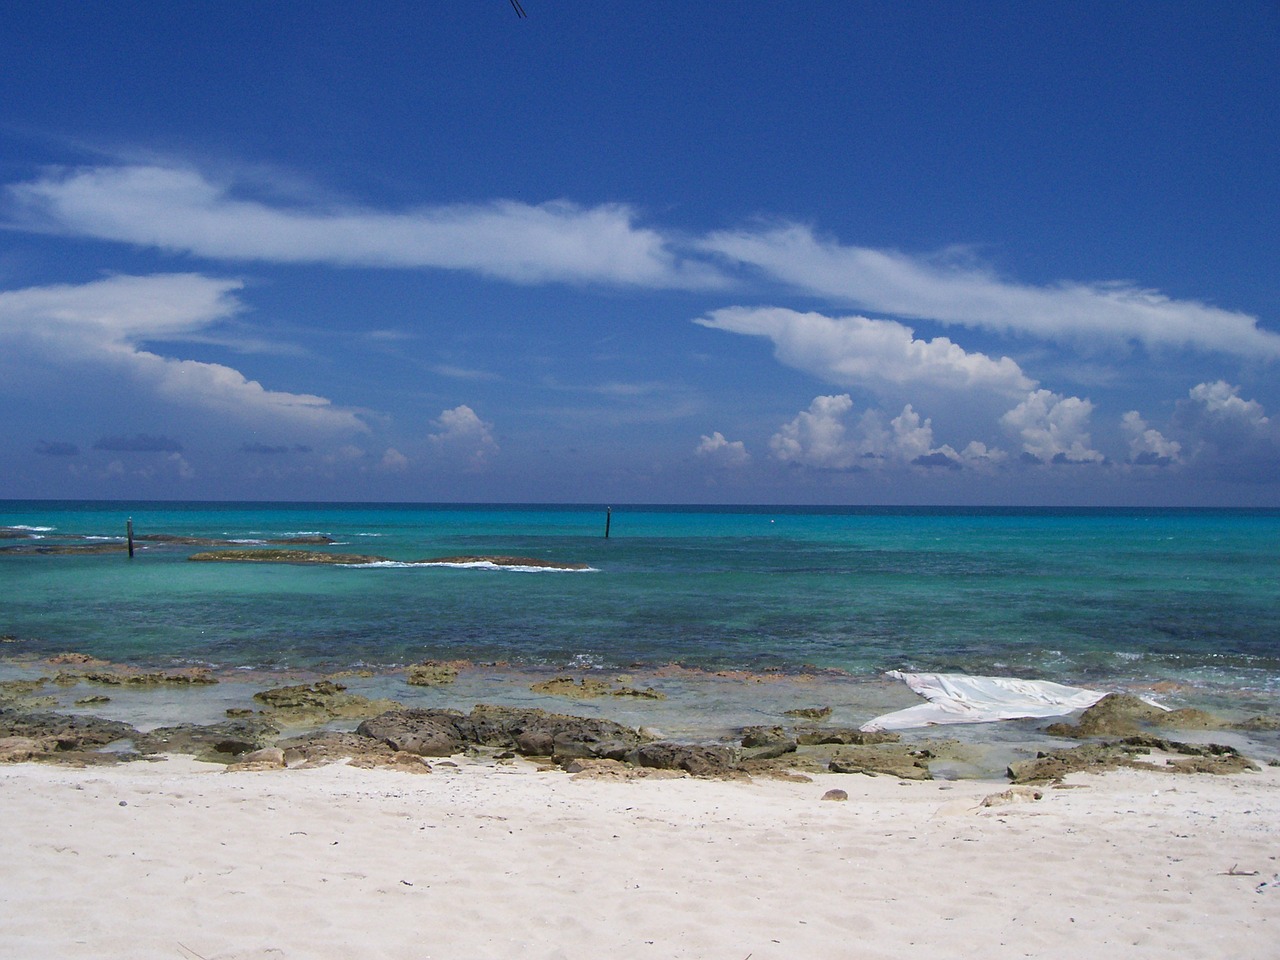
[(128, 528), (608, 519)]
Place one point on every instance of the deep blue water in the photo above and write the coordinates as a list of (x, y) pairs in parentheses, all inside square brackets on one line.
[(1078, 596)]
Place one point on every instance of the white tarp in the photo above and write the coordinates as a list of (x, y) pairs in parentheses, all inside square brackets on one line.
[(957, 698)]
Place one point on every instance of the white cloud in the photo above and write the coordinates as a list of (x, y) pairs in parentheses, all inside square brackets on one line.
[(393, 461), (103, 323), (462, 431), (861, 352), (179, 209), (1148, 446), (1053, 428), (730, 453), (1222, 400), (819, 438), (958, 293)]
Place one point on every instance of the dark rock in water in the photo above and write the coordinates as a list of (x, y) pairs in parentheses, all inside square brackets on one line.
[(765, 736), (699, 760), (61, 732), (195, 676), (1257, 724), (899, 761), (813, 736), (809, 713), (271, 555), (431, 673), (308, 704), (218, 742)]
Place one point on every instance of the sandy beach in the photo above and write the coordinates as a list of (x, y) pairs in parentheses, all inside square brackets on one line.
[(484, 859)]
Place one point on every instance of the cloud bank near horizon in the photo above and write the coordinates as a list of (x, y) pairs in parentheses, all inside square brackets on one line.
[(103, 324)]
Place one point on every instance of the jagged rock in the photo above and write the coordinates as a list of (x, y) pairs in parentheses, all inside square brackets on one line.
[(1102, 757), (588, 688), (64, 731), (1257, 724), (71, 658), (809, 713), (524, 729), (267, 758), (617, 770), (699, 760), (217, 742), (1115, 715), (427, 733), (309, 704), (22, 749), (431, 673), (400, 761), (327, 746), (765, 736), (198, 676), (898, 760), (265, 555), (814, 736), (92, 701)]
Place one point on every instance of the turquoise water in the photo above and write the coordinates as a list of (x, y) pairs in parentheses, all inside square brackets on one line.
[(1118, 596)]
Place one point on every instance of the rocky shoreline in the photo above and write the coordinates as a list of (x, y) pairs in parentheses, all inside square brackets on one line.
[(295, 725)]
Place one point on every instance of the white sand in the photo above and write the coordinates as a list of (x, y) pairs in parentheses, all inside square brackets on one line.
[(179, 860)]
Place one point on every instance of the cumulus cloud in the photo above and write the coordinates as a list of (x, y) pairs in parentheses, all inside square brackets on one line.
[(104, 323), (820, 438), (1228, 434), (393, 461), (463, 432), (950, 292), (1053, 428), (729, 453), (179, 209), (1148, 447), (858, 351)]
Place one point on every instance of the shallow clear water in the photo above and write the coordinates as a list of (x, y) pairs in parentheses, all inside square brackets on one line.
[(1075, 596)]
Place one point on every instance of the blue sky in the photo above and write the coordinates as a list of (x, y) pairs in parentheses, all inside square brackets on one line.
[(819, 252)]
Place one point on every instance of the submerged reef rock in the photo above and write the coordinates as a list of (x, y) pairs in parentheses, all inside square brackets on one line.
[(812, 736), (808, 713), (312, 703), (1053, 766), (433, 673), (589, 688), (265, 555), (197, 676)]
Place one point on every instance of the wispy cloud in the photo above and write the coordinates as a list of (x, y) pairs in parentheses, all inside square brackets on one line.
[(104, 323), (180, 209), (951, 292), (857, 351)]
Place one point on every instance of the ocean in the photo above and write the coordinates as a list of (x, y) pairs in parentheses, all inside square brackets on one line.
[(822, 601)]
